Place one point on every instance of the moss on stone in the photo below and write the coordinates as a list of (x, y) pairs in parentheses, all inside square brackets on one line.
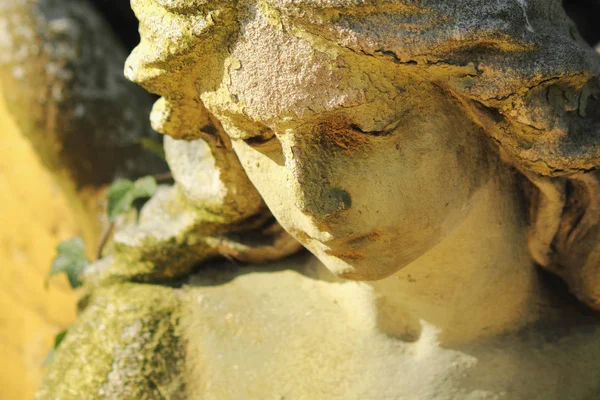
[(125, 345)]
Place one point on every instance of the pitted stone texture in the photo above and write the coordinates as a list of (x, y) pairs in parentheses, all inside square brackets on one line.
[(125, 345)]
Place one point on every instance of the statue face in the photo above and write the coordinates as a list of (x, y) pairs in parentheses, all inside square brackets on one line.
[(366, 165)]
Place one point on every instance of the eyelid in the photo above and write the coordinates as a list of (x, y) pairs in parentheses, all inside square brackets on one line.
[(385, 132), (259, 140)]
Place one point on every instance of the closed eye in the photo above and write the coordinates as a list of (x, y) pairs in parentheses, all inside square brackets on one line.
[(384, 132), (259, 140)]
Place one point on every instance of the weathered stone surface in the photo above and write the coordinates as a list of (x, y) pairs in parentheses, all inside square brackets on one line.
[(125, 345)]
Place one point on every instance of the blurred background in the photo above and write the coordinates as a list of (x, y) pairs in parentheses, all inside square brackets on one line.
[(69, 125)]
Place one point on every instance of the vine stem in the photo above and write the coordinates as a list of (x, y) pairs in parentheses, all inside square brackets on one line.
[(167, 176), (103, 239)]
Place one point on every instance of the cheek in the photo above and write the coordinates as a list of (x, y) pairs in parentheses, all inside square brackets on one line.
[(413, 192), (406, 198)]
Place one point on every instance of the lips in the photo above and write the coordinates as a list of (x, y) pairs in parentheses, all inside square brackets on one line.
[(159, 116)]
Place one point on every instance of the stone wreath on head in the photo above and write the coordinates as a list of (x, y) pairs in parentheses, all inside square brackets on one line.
[(522, 73)]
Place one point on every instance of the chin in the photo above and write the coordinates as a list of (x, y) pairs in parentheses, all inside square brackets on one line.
[(368, 268), (367, 257)]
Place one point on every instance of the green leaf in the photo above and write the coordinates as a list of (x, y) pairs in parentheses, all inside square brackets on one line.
[(144, 187), (60, 336), (57, 341), (119, 198), (153, 146), (71, 260), (123, 193)]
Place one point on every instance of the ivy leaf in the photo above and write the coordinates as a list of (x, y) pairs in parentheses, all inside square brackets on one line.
[(153, 146), (59, 338), (57, 341), (144, 187), (123, 193), (71, 260)]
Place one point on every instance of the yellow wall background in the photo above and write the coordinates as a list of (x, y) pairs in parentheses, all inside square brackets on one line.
[(34, 217)]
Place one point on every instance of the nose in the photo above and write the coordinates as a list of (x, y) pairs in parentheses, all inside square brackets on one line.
[(316, 181), (144, 73), (167, 43)]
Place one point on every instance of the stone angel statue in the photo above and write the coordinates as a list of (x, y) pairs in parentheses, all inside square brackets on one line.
[(437, 159)]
